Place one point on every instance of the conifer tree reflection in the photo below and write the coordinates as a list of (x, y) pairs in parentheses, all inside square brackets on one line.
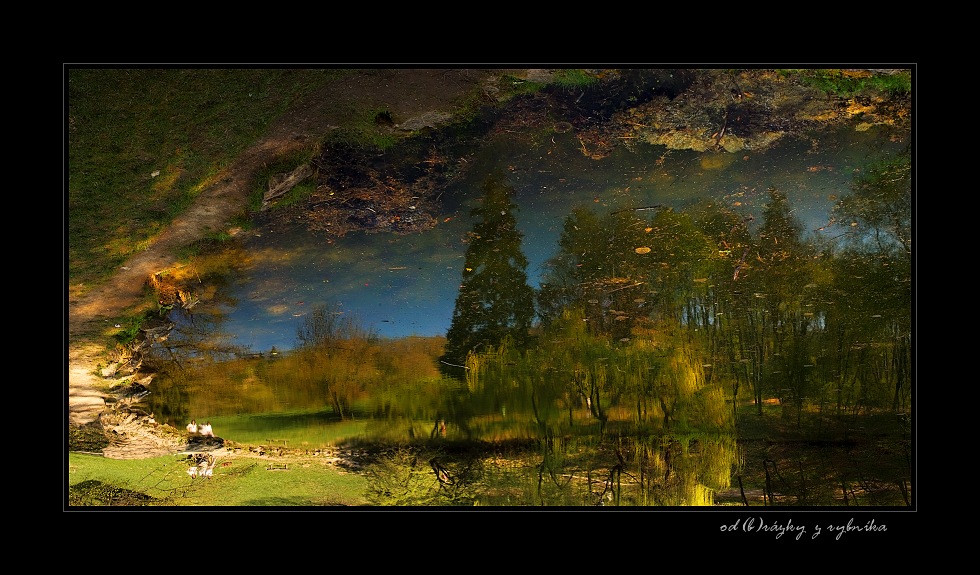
[(494, 300)]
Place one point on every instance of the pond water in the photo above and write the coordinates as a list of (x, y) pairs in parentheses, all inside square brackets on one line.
[(402, 290), (400, 285)]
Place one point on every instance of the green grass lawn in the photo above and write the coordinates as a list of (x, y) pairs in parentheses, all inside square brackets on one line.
[(142, 143), (237, 482)]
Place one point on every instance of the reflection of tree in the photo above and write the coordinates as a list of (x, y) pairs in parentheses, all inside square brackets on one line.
[(339, 355), (597, 269), (622, 269), (879, 209), (679, 263), (766, 311), (781, 327), (713, 317), (197, 337), (420, 477), (182, 337), (196, 332), (326, 328), (192, 332), (638, 281), (871, 315), (494, 300), (782, 256)]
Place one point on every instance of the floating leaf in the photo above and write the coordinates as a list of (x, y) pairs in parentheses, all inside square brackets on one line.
[(643, 250)]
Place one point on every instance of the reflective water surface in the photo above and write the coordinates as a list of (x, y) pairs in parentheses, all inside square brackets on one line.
[(406, 285), (677, 295)]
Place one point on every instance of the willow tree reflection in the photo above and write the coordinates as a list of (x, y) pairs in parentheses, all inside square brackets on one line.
[(494, 300), (612, 359), (637, 281)]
